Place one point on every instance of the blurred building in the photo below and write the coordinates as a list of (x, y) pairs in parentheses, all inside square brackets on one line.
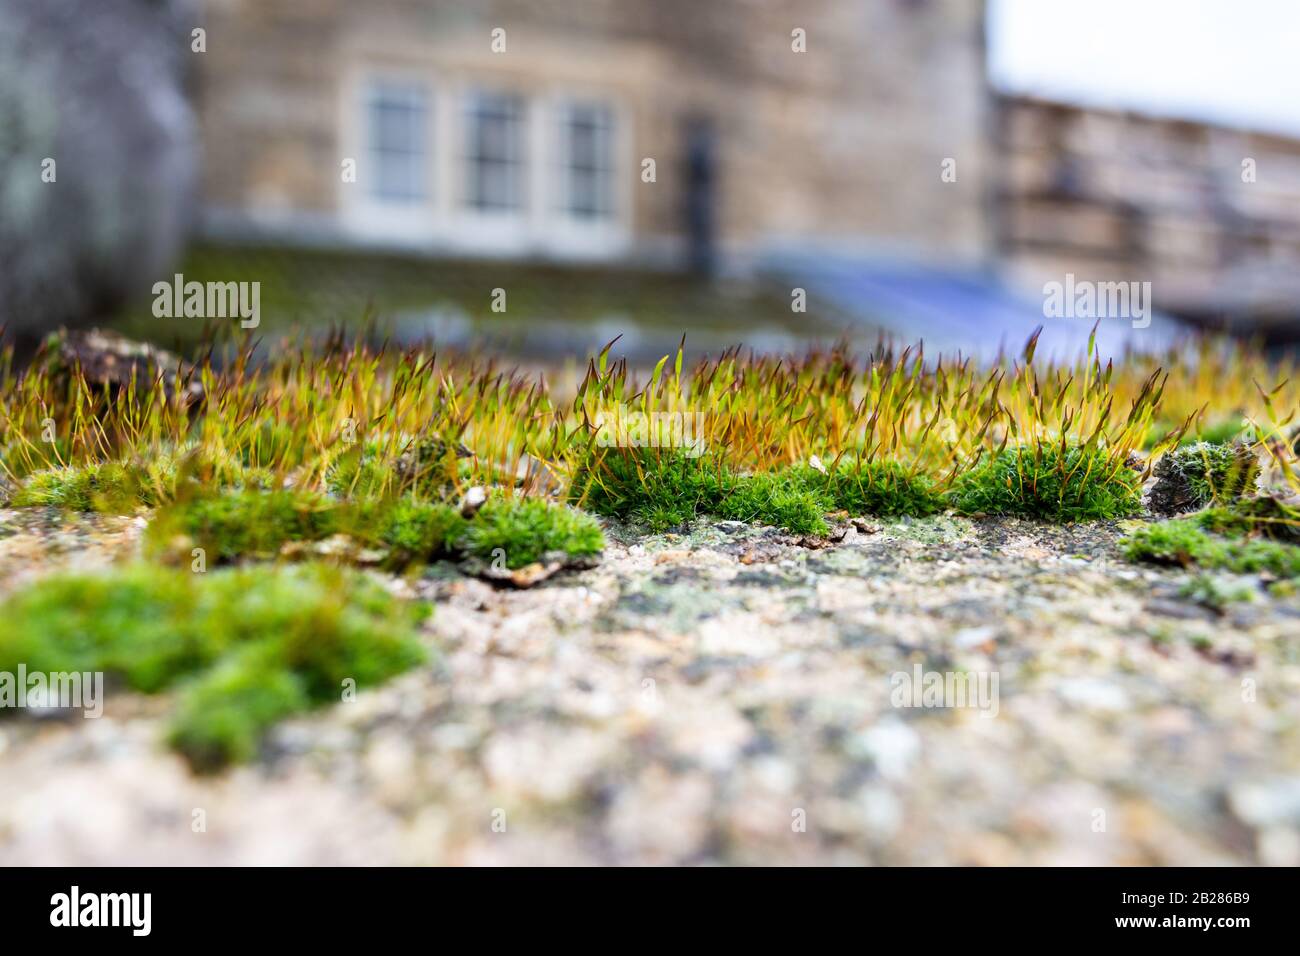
[(851, 150), (1209, 215), (528, 127)]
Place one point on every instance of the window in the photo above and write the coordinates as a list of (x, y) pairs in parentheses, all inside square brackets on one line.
[(494, 158), (397, 119), (587, 161)]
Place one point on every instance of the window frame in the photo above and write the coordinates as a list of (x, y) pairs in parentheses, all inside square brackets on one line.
[(540, 219)]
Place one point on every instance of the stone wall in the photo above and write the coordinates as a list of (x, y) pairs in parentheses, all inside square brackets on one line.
[(1209, 215), (842, 144)]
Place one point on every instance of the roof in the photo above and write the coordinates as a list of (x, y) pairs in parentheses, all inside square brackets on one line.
[(953, 309)]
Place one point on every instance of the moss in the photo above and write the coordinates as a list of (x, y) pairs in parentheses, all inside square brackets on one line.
[(1185, 543), (875, 488), (149, 481), (235, 524), (426, 466), (1167, 542), (661, 489), (360, 471), (111, 487), (1283, 589), (781, 499), (1078, 484), (1217, 591), (1265, 516), (526, 529), (257, 644), (132, 623), (416, 531), (255, 524), (1201, 474), (221, 718)]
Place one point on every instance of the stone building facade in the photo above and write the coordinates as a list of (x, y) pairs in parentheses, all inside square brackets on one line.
[(523, 127), (1209, 215)]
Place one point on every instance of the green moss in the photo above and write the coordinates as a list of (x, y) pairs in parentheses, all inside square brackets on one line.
[(221, 718), (360, 471), (426, 466), (257, 643), (525, 529), (123, 487), (133, 623), (781, 499), (236, 524), (1167, 542), (1078, 484), (663, 490), (111, 487), (1220, 432), (1217, 591), (876, 488), (1284, 588), (658, 488), (1265, 517), (254, 524), (1185, 543), (414, 530), (1201, 474)]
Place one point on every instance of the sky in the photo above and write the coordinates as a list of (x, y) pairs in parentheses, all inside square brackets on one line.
[(1235, 62)]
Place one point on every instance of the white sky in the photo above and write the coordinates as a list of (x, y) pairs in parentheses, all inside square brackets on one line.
[(1229, 61)]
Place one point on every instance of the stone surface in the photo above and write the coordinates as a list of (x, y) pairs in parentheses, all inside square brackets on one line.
[(677, 705)]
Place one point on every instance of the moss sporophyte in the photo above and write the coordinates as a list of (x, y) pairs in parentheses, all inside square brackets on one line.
[(415, 457), (335, 437), (896, 431)]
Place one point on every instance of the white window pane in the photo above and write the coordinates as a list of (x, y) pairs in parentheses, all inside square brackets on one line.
[(586, 150), (396, 128), (397, 125), (587, 135), (494, 158)]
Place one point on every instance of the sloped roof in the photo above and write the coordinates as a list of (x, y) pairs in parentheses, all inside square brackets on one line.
[(955, 309)]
